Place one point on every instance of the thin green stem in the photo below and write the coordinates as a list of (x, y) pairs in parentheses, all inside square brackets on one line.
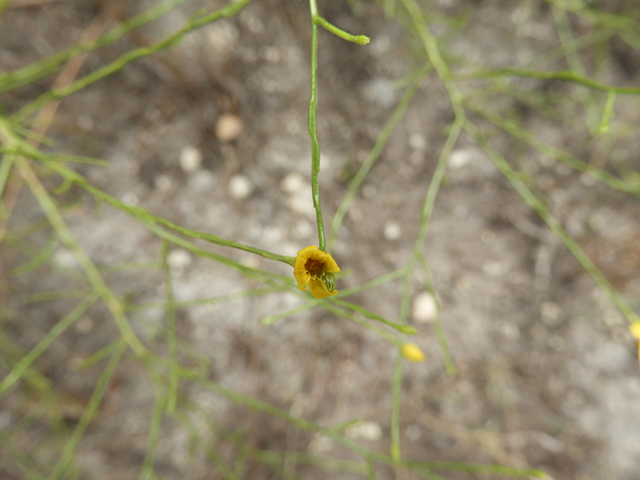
[(313, 126), (542, 210), (359, 39), (19, 368), (43, 68), (563, 75), (374, 154), (144, 216), (129, 57), (49, 206), (89, 412), (172, 338), (147, 472)]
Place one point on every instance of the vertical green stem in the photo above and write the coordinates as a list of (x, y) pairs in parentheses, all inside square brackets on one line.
[(313, 125)]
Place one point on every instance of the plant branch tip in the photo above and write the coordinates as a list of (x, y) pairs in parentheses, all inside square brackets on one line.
[(407, 329), (359, 39)]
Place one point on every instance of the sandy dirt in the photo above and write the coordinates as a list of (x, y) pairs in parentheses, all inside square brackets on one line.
[(212, 136)]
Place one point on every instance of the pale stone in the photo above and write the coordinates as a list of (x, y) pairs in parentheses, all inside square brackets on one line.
[(424, 309), (178, 259), (229, 127), (65, 258), (392, 231), (417, 141), (240, 187), (190, 159), (460, 158), (292, 183), (365, 431)]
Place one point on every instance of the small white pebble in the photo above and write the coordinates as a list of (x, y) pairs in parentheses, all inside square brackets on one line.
[(292, 183), (392, 231), (65, 258), (178, 259), (190, 159), (424, 308), (130, 198), (550, 313), (240, 187), (365, 431), (460, 158), (321, 444), (417, 141), (229, 127)]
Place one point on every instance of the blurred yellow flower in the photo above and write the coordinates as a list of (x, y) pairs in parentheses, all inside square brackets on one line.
[(412, 352), (634, 328), (314, 269)]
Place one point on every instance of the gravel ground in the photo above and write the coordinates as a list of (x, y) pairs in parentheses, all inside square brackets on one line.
[(211, 135)]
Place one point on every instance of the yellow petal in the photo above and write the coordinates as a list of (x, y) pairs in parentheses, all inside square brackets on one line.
[(308, 252), (412, 352), (303, 278), (634, 328), (330, 264), (312, 251), (300, 272), (319, 290)]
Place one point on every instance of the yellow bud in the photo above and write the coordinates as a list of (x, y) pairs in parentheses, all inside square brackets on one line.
[(412, 352), (634, 328)]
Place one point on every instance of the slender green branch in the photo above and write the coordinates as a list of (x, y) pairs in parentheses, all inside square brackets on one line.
[(49, 207), (19, 368), (374, 154), (89, 412), (313, 126), (563, 75), (632, 187), (359, 39), (172, 337), (542, 210), (144, 216), (43, 68), (129, 57)]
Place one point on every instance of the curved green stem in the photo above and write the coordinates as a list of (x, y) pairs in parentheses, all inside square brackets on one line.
[(313, 126), (359, 39)]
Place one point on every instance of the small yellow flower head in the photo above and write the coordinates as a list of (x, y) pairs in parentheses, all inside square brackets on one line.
[(314, 269), (412, 352), (634, 329)]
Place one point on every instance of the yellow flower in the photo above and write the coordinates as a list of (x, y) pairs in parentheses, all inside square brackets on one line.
[(412, 352), (634, 329), (314, 269)]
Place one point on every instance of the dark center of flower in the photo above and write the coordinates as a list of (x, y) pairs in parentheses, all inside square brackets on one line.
[(314, 267)]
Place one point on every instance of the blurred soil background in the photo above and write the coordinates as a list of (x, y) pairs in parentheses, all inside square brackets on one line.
[(212, 135)]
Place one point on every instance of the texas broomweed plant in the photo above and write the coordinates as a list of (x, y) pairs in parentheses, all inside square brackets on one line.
[(314, 269)]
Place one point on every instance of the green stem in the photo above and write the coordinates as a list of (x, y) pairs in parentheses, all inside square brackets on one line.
[(313, 125), (359, 39)]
